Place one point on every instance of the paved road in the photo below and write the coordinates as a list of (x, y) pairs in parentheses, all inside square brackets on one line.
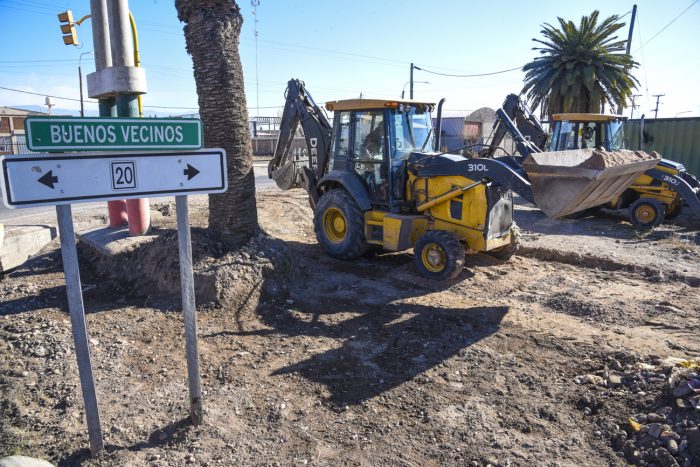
[(19, 216)]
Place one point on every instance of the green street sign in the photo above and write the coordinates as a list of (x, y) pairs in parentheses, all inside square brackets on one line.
[(58, 134)]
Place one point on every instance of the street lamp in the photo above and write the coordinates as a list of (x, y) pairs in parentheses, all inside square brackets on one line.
[(684, 112), (403, 90), (80, 78)]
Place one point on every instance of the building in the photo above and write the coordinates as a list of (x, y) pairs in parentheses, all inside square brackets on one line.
[(12, 140)]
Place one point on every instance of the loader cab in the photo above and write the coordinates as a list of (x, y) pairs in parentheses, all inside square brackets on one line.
[(586, 131), (374, 139)]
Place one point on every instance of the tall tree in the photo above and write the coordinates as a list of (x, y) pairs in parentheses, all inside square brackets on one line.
[(580, 69), (212, 28)]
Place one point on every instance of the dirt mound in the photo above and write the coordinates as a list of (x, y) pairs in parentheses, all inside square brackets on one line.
[(228, 277), (603, 159)]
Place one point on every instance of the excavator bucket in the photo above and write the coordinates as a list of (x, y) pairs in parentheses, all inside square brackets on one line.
[(565, 182), (286, 176)]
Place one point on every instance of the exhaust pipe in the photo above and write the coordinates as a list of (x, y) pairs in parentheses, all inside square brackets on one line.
[(438, 127)]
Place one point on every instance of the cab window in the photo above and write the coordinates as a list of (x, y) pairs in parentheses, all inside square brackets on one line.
[(368, 152), (341, 144)]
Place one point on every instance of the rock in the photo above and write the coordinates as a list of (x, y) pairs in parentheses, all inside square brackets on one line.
[(591, 379), (614, 381), (682, 390), (693, 438), (665, 458), (672, 446), (667, 434), (616, 365), (23, 461), (41, 351), (655, 418), (654, 430)]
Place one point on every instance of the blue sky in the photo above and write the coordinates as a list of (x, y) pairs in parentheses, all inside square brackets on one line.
[(342, 49)]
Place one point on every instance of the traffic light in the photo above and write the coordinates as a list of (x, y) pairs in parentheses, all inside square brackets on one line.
[(70, 37)]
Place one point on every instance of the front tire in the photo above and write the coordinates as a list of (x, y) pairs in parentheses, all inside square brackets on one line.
[(439, 255), (505, 252), (340, 225), (646, 213)]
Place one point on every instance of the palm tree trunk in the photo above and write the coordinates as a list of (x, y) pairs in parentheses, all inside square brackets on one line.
[(212, 28)]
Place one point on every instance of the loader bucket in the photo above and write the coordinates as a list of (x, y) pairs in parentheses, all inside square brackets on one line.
[(565, 182)]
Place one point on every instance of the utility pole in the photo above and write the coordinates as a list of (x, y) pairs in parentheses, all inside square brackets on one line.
[(656, 110), (255, 4), (634, 106), (411, 87), (629, 48), (80, 78), (49, 103)]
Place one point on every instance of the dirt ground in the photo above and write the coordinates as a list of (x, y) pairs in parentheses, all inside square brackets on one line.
[(556, 357)]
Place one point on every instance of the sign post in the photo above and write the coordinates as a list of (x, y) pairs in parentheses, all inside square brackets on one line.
[(61, 179), (77, 319), (188, 309)]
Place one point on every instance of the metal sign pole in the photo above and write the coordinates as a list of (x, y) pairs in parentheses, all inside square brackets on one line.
[(188, 309), (77, 318)]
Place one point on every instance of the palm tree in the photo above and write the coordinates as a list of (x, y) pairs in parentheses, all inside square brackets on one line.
[(211, 30), (580, 69)]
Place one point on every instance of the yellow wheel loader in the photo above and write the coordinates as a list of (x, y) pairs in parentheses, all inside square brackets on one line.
[(657, 194), (374, 179)]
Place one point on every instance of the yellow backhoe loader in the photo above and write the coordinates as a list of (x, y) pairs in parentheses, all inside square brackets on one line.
[(374, 178), (657, 194)]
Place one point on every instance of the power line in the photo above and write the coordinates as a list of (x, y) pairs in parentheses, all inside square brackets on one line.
[(664, 28), (467, 76), (95, 102), (40, 61)]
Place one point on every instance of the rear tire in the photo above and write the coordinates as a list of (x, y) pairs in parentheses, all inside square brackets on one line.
[(340, 225), (505, 252), (439, 255), (646, 213)]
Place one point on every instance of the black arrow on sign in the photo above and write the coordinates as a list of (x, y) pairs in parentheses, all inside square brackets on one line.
[(190, 172), (48, 179)]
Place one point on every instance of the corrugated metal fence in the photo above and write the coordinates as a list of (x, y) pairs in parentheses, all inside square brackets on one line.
[(677, 139)]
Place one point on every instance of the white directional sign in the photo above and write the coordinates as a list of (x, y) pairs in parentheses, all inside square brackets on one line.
[(47, 180)]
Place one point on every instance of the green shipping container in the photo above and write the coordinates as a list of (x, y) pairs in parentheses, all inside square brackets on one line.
[(676, 139)]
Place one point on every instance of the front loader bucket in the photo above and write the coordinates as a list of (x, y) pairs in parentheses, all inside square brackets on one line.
[(565, 182)]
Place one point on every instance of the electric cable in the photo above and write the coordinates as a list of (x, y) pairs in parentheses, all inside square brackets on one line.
[(470, 75), (664, 28)]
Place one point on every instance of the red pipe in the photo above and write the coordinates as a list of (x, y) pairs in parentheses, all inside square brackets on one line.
[(117, 213), (139, 214)]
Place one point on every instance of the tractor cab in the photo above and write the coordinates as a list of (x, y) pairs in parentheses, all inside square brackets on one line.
[(374, 138), (586, 131)]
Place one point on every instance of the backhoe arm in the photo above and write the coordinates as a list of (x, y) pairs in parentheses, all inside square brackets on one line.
[(516, 118), (295, 170)]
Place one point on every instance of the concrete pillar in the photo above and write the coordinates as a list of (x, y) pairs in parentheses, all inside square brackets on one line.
[(122, 51)]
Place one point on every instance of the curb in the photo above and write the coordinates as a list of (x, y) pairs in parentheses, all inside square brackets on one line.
[(22, 242)]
